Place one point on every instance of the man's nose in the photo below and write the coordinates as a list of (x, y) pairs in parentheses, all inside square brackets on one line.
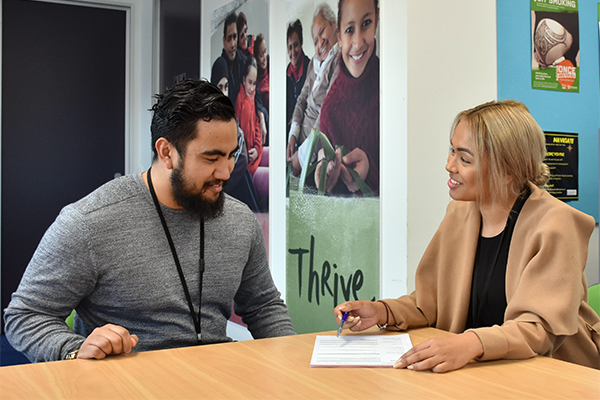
[(224, 168)]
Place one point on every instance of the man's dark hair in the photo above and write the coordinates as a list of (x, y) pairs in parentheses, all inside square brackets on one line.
[(231, 19), (179, 108), (295, 26)]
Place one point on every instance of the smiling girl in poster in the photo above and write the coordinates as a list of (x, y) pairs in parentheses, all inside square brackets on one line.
[(350, 112), (246, 113)]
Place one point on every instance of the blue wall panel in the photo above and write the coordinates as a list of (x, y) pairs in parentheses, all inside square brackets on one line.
[(556, 111)]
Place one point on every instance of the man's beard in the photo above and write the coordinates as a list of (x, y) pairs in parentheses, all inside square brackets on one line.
[(195, 203)]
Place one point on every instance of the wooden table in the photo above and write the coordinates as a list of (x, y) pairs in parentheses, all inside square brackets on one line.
[(279, 369)]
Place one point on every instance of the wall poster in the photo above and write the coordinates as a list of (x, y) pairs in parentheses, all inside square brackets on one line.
[(333, 209), (562, 156), (238, 63), (235, 57), (555, 45)]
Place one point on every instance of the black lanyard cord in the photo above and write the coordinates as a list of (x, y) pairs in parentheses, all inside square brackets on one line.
[(195, 318), (201, 267)]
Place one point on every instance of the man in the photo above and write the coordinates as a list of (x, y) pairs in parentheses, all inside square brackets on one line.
[(153, 261), (232, 55)]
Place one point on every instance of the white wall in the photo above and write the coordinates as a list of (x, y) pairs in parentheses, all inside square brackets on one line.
[(451, 67)]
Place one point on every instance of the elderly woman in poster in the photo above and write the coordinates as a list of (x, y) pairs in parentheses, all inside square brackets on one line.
[(322, 72)]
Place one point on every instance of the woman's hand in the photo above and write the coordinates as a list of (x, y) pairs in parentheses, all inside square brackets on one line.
[(442, 354), (357, 159), (263, 127), (361, 314), (252, 154), (333, 170)]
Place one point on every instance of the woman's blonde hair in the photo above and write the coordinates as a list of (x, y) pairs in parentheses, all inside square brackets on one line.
[(510, 142)]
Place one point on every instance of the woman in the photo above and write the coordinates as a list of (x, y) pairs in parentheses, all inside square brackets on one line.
[(246, 112), (350, 112), (262, 59), (245, 42), (505, 269), (296, 69), (322, 72)]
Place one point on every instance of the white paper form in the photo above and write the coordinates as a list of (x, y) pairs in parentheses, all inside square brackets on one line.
[(359, 351)]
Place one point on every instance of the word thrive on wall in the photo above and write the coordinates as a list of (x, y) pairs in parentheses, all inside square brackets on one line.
[(350, 284)]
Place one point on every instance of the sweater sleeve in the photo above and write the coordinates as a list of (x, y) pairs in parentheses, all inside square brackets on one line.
[(443, 277), (59, 274), (258, 301), (330, 78), (302, 100), (421, 308), (544, 286)]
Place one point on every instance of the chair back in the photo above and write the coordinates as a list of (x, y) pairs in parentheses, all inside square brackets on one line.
[(594, 297)]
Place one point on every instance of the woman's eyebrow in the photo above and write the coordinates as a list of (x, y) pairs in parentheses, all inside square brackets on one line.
[(363, 18), (465, 150)]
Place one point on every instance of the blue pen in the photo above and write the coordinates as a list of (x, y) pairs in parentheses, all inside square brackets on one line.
[(339, 332)]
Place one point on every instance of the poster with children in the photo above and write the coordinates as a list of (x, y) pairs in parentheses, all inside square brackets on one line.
[(237, 61), (332, 152), (555, 45)]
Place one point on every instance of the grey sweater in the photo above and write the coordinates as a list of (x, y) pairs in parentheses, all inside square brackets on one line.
[(107, 256)]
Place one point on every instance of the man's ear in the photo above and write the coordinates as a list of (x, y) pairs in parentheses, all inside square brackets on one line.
[(167, 154)]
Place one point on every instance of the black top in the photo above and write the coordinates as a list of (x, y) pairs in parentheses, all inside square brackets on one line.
[(488, 287)]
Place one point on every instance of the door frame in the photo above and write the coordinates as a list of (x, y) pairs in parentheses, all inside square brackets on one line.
[(141, 76), (141, 73)]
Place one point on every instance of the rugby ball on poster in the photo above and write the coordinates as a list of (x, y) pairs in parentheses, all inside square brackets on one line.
[(551, 41)]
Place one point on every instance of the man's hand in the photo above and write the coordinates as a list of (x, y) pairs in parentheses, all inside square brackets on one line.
[(442, 354), (106, 340)]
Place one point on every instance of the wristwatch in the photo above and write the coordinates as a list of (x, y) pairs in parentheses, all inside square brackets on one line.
[(72, 355)]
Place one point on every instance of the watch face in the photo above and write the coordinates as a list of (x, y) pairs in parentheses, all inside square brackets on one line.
[(72, 355)]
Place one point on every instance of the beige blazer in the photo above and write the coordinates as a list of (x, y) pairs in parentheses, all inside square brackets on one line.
[(546, 288)]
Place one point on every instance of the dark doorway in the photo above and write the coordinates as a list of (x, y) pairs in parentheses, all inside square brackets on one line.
[(63, 117)]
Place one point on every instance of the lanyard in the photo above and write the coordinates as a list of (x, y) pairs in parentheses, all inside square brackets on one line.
[(195, 318)]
